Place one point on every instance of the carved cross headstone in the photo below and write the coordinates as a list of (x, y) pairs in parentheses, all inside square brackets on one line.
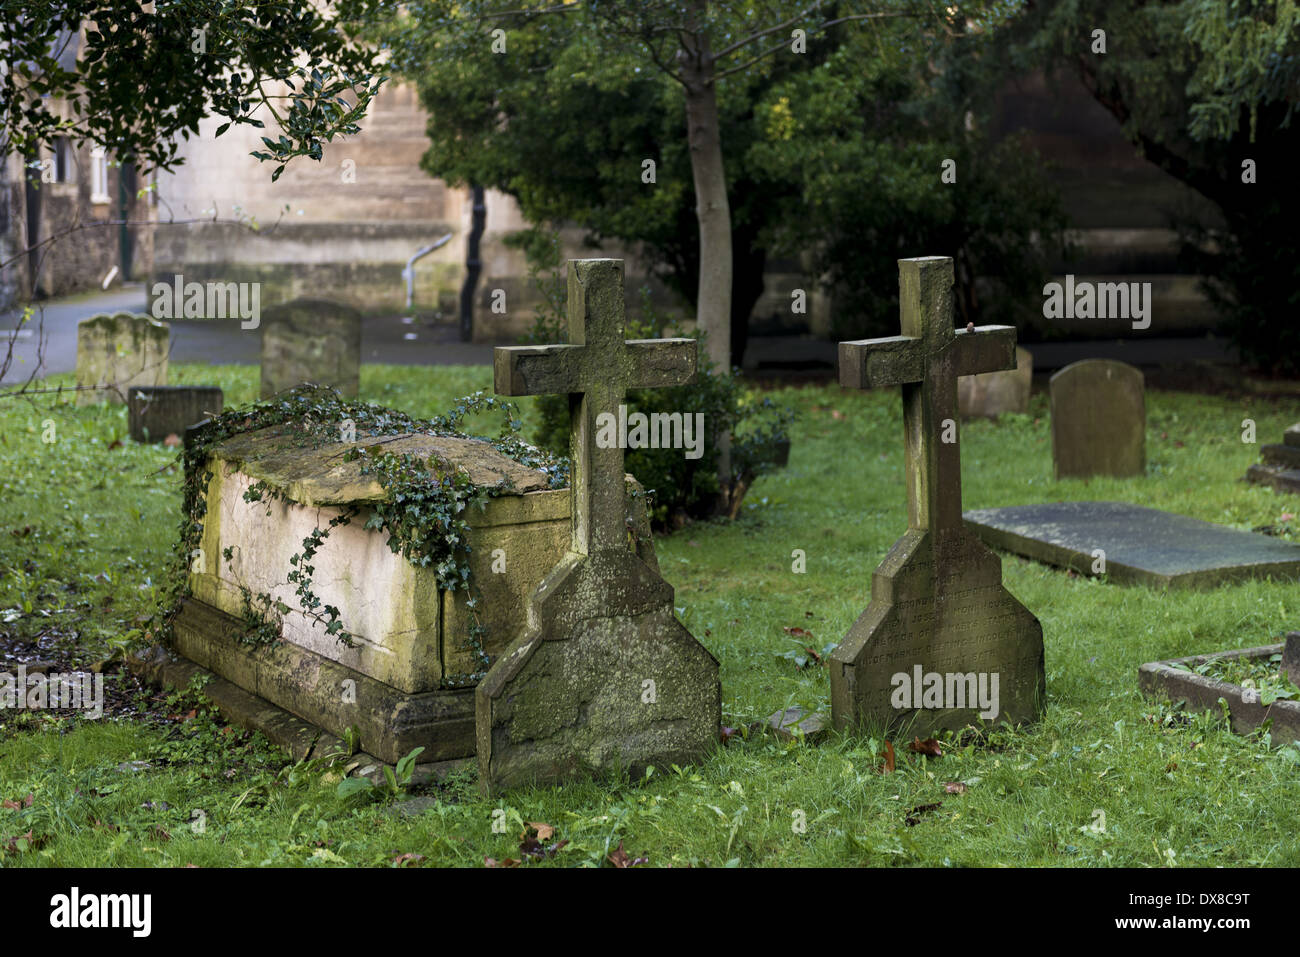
[(942, 644), (605, 675)]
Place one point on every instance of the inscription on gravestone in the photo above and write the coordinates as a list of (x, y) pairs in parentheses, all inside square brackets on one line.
[(942, 644), (606, 676)]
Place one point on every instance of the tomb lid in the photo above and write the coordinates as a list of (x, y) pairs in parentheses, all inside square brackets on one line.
[(315, 474)]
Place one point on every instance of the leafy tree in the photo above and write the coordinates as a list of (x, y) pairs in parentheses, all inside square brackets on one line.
[(683, 49), (1201, 87), (887, 160), (146, 74)]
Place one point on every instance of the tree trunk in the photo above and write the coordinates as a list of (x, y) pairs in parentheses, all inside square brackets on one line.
[(713, 305)]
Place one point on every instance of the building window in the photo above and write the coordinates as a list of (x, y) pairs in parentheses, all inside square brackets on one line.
[(99, 175), (63, 160)]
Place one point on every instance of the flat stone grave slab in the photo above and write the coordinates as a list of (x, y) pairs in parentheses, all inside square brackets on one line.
[(1177, 680), (1138, 545)]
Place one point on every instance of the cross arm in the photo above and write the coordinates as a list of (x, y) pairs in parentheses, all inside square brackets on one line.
[(657, 363), (535, 370), (985, 349), (874, 363)]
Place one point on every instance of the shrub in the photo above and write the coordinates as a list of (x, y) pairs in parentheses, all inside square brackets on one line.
[(678, 488)]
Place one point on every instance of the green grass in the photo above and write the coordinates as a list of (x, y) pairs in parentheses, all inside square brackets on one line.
[(1169, 788)]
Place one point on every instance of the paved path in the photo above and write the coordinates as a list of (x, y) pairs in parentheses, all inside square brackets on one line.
[(394, 340), (383, 339)]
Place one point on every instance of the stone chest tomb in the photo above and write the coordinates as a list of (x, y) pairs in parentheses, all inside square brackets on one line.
[(405, 676)]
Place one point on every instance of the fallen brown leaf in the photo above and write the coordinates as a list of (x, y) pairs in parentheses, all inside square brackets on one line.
[(930, 747), (890, 759), (955, 787), (544, 832), (408, 859), (531, 842), (621, 860), (493, 862), (797, 632)]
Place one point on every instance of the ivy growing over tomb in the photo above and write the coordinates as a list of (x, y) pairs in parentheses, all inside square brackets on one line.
[(425, 509)]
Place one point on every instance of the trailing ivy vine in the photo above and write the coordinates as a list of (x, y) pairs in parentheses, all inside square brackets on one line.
[(425, 509)]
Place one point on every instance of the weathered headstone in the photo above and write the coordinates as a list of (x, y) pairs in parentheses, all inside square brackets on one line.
[(311, 340), (942, 643), (155, 412), (1099, 420), (1281, 465), (406, 679), (118, 352), (989, 394), (606, 676), (1135, 545)]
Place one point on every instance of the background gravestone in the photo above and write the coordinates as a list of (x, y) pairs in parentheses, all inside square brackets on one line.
[(311, 340), (989, 394), (155, 412), (1099, 420), (116, 352)]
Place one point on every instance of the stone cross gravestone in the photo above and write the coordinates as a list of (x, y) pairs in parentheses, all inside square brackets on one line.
[(942, 643), (155, 412), (989, 394), (605, 676), (311, 340), (117, 352), (1099, 420)]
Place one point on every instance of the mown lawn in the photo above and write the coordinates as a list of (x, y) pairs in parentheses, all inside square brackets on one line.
[(1106, 778)]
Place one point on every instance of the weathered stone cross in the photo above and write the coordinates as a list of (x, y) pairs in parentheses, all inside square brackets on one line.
[(605, 675), (926, 361), (939, 621), (596, 369)]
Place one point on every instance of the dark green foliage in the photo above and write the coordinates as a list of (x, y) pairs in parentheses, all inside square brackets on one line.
[(864, 141), (143, 79), (1199, 87), (679, 488)]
